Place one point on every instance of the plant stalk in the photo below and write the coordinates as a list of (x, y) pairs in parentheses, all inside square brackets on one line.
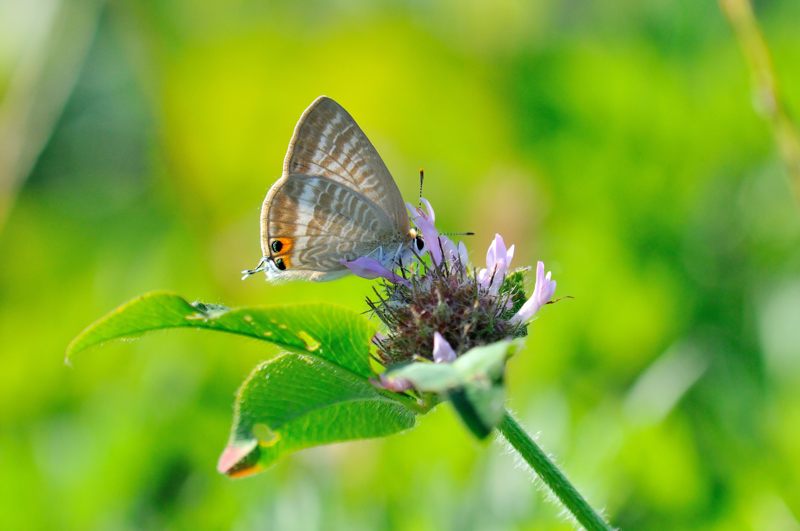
[(768, 97), (551, 475)]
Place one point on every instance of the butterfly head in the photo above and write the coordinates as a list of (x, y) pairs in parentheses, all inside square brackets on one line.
[(417, 243), (275, 260)]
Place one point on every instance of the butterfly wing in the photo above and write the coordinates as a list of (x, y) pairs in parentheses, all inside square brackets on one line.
[(335, 201), (329, 143), (311, 224)]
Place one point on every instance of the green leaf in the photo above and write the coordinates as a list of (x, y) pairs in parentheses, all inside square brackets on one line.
[(429, 377), (337, 335), (480, 405), (295, 401), (473, 383), (486, 362)]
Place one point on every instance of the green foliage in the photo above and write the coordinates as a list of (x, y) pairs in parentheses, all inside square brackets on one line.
[(295, 401), (330, 333), (319, 393), (473, 383), (618, 145)]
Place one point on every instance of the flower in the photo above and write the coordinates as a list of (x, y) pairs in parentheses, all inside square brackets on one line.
[(498, 261), (543, 291), (443, 302), (398, 385), (367, 267), (424, 221), (439, 247), (442, 351), (449, 328)]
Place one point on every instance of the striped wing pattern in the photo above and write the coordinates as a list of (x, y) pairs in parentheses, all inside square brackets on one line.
[(320, 222), (335, 200), (329, 143)]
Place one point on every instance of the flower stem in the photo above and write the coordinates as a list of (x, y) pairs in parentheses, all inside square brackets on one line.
[(551, 475)]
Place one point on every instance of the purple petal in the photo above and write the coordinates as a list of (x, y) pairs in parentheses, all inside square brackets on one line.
[(483, 277), (440, 247), (367, 267), (491, 254), (499, 249), (429, 208), (509, 256), (424, 220), (434, 248), (498, 258), (398, 385), (545, 288), (463, 255), (427, 228), (422, 217), (449, 249), (543, 291), (442, 351)]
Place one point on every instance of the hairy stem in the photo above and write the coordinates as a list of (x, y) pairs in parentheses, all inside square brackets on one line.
[(551, 475)]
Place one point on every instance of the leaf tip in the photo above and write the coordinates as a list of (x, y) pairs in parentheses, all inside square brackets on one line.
[(71, 349), (239, 459)]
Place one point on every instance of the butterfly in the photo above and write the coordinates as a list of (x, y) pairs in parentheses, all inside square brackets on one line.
[(334, 203)]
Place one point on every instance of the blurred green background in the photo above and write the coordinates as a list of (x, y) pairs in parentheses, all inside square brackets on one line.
[(618, 143)]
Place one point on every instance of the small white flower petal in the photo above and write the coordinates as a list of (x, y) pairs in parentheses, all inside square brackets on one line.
[(498, 259), (491, 255), (429, 208), (500, 248), (509, 256), (543, 291), (463, 255), (398, 385), (442, 351)]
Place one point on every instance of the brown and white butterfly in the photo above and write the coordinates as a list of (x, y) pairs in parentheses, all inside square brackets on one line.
[(334, 203)]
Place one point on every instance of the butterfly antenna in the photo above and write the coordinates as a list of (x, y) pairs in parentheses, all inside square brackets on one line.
[(421, 180), (470, 233)]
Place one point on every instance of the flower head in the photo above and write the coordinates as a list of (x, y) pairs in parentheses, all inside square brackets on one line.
[(441, 307)]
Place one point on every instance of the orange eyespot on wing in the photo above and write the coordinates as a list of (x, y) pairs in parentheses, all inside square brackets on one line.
[(281, 246), (282, 262), (280, 251)]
